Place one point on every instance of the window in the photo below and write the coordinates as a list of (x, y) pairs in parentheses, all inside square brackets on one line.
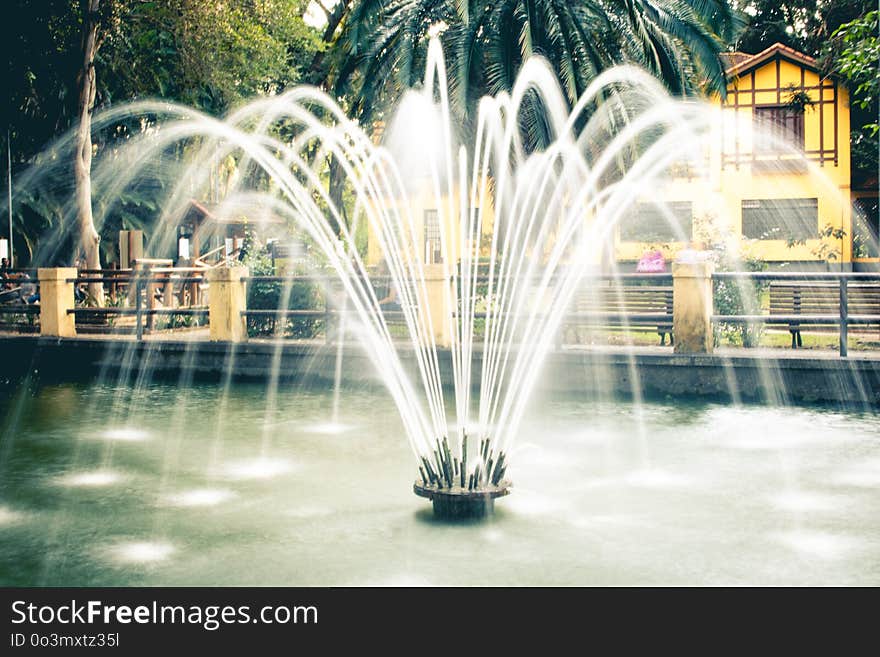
[(664, 222), (776, 126), (432, 237), (780, 219), (866, 228)]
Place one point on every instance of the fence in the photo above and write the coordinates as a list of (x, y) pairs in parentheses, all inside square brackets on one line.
[(16, 287), (815, 301)]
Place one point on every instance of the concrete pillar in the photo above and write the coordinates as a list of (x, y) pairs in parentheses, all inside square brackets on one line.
[(227, 298), (56, 298), (692, 307), (439, 291)]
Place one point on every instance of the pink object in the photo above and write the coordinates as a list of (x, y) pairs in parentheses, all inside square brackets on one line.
[(651, 262)]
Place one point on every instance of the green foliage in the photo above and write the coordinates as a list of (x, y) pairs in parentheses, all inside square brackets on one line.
[(207, 54), (798, 99), (830, 239), (273, 295), (732, 296), (858, 61), (212, 55), (804, 25), (382, 47)]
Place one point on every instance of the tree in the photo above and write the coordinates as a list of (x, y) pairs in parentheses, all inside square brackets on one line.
[(854, 54), (382, 46), (857, 61), (805, 25), (211, 55), (82, 163)]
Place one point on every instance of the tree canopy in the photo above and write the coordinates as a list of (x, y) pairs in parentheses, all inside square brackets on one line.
[(210, 55), (382, 45), (805, 25), (214, 55)]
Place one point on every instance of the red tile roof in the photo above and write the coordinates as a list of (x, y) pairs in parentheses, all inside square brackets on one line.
[(739, 63)]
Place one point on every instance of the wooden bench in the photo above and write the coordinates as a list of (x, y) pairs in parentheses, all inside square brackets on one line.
[(615, 306), (12, 295), (822, 299)]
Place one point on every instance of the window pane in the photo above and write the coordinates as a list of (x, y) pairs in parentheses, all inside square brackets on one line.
[(781, 219), (649, 222), (432, 237), (776, 126), (866, 228)]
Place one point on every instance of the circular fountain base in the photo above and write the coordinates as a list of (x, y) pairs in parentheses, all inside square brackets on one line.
[(459, 503)]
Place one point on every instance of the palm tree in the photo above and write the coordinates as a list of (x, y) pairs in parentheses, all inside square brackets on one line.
[(382, 45)]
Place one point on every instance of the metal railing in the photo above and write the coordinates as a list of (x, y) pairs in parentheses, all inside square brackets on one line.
[(142, 287), (839, 280), (142, 283), (16, 285), (332, 315)]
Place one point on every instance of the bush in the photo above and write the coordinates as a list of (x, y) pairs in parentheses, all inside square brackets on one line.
[(733, 296), (274, 295)]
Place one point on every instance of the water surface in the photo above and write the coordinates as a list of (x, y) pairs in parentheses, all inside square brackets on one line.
[(163, 485)]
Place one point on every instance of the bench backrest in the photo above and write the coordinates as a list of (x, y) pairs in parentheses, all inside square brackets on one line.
[(626, 298), (823, 298)]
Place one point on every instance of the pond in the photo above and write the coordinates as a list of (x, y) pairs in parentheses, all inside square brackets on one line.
[(157, 484)]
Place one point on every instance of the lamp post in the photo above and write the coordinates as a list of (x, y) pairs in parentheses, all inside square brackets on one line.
[(9, 189)]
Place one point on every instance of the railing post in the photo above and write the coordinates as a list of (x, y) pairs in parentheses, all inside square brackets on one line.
[(692, 307), (56, 298), (151, 288), (227, 300), (439, 293), (138, 306), (844, 317), (329, 328)]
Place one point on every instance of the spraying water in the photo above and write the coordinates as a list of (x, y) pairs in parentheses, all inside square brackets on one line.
[(519, 229)]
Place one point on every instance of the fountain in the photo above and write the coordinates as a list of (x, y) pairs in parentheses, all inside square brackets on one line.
[(552, 210), (519, 232)]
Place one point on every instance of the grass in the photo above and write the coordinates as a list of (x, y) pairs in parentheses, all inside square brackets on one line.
[(772, 339)]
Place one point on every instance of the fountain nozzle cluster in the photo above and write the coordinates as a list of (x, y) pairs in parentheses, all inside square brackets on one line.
[(457, 492)]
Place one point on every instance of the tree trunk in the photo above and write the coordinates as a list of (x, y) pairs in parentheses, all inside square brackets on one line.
[(82, 167)]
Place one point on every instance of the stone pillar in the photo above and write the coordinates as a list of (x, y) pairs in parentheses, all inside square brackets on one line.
[(56, 298), (692, 307), (227, 298), (439, 291)]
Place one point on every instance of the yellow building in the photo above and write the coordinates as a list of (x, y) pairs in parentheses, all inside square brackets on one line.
[(777, 179), (774, 183), (428, 219)]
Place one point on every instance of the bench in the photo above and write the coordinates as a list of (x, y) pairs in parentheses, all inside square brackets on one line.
[(615, 306), (12, 295), (821, 299)]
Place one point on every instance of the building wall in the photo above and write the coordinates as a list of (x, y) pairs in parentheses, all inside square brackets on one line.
[(733, 171), (739, 171), (422, 199)]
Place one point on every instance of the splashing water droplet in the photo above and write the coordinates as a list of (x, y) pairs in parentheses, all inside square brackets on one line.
[(8, 516), (91, 479), (141, 551), (258, 468), (125, 435), (199, 497)]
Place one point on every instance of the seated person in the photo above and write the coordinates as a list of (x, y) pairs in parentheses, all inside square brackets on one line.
[(5, 275), (29, 292), (390, 301)]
